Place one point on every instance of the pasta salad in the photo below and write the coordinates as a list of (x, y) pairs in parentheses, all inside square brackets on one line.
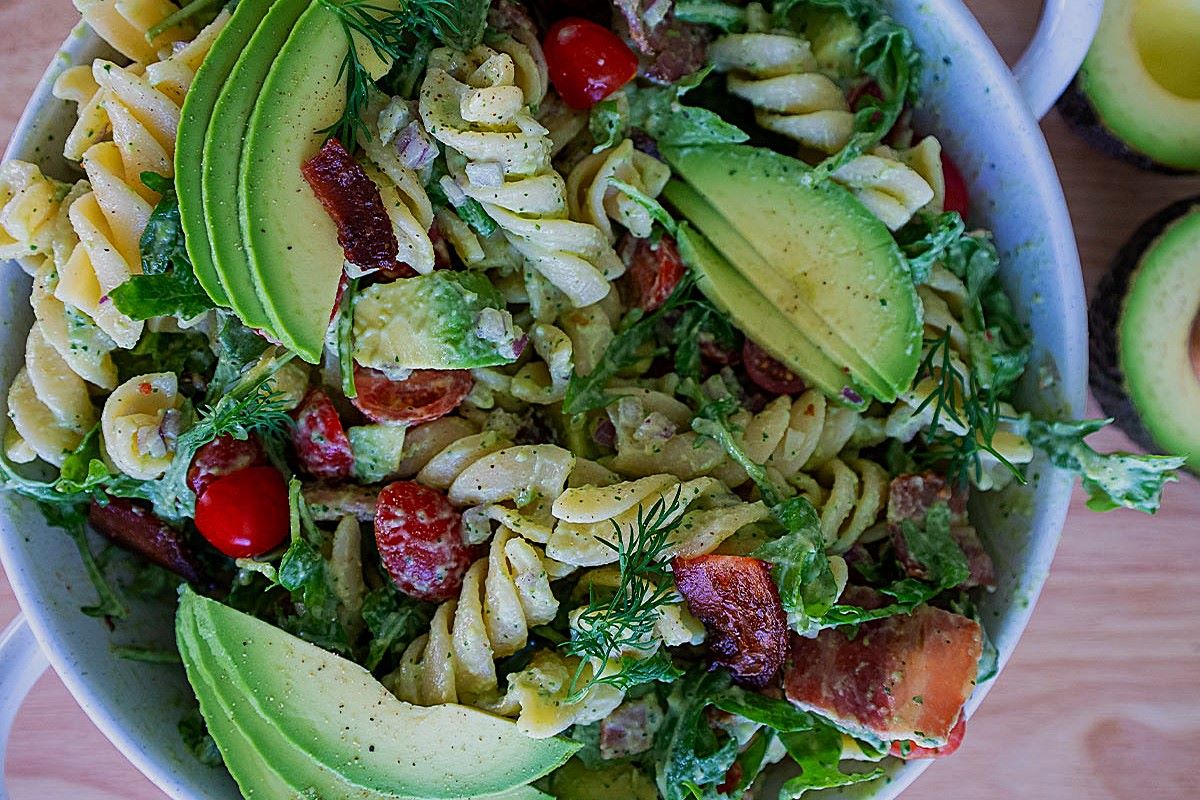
[(626, 373)]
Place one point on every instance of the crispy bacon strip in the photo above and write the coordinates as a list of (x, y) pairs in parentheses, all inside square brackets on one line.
[(133, 526), (900, 678), (739, 605), (353, 201)]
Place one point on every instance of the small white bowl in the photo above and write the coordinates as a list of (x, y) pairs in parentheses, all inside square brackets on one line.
[(982, 116)]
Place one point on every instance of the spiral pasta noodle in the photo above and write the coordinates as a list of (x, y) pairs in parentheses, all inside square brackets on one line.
[(593, 198), (778, 74), (125, 24), (476, 104), (140, 422), (889, 188)]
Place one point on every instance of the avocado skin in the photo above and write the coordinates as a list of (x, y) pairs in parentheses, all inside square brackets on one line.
[(1106, 378), (1083, 120)]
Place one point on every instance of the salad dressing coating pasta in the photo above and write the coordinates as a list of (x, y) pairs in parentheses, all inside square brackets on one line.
[(593, 198), (140, 423)]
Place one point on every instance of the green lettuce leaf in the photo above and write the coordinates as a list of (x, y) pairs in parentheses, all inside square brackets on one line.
[(658, 111), (609, 122), (934, 547), (818, 754), (799, 565)]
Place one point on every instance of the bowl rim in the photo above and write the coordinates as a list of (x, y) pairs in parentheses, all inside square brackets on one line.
[(952, 14)]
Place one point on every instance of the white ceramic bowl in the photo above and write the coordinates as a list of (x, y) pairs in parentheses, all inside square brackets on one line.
[(986, 119)]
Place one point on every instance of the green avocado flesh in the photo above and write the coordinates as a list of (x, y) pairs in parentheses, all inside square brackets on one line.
[(815, 255), (1156, 339), (295, 259), (323, 721), (195, 117), (223, 154), (1142, 77)]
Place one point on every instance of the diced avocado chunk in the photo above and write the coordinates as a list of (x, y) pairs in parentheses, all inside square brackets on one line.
[(223, 154), (337, 714), (576, 782), (443, 320), (294, 256), (197, 113), (377, 451), (823, 259)]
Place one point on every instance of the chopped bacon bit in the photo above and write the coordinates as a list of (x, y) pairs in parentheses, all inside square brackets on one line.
[(739, 605), (130, 524), (669, 48), (353, 201), (900, 678), (910, 498), (910, 751)]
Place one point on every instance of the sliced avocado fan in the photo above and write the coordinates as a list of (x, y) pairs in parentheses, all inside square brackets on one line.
[(814, 254), (331, 717)]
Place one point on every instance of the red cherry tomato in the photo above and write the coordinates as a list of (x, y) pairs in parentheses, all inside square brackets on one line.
[(767, 373), (320, 440), (223, 456), (425, 395), (245, 514), (419, 535), (957, 198), (913, 752), (587, 62), (654, 271)]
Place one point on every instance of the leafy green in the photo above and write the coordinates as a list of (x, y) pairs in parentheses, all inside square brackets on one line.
[(799, 565), (147, 655), (72, 518), (393, 619), (934, 547), (609, 122), (167, 285), (926, 238), (700, 321), (194, 733), (1112, 480), (777, 714), (727, 16), (345, 339), (658, 111), (690, 759), (203, 11), (818, 754), (652, 206), (183, 353), (237, 348)]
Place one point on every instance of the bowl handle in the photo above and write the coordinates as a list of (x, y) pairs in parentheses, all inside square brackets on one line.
[(22, 662), (1058, 48)]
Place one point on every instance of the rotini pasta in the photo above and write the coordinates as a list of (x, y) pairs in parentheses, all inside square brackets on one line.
[(476, 104), (126, 24), (139, 424), (593, 198), (889, 188)]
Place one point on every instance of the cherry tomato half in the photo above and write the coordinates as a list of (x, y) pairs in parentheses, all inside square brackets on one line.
[(425, 395), (223, 456), (767, 373), (245, 514), (419, 535), (320, 440), (957, 198), (911, 752), (587, 62), (654, 271)]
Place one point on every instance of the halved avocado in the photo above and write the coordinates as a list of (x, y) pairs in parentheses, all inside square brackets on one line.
[(1137, 95), (814, 253), (1145, 334), (195, 117), (295, 259)]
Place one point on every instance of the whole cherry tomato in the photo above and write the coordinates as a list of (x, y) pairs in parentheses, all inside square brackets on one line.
[(911, 752), (767, 373), (587, 62), (245, 514), (425, 395), (957, 198), (223, 456), (654, 271), (320, 440), (419, 535)]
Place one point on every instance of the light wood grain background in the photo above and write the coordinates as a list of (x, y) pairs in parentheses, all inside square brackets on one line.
[(1102, 699)]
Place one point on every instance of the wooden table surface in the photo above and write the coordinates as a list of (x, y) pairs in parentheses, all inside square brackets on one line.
[(1101, 700)]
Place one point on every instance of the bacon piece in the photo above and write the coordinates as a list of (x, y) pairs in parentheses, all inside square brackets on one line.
[(739, 605), (904, 677), (133, 526), (353, 201), (630, 729), (331, 502), (910, 498)]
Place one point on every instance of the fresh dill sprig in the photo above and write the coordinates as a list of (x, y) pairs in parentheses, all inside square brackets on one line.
[(966, 402), (606, 629)]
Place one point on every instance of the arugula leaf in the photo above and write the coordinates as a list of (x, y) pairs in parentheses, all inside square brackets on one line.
[(655, 208), (460, 24), (727, 16), (658, 111), (1112, 480), (72, 518), (934, 547), (183, 353), (926, 238), (777, 714), (700, 321), (634, 671), (689, 758), (167, 285), (799, 565), (819, 753), (393, 619), (609, 122), (237, 348), (469, 210)]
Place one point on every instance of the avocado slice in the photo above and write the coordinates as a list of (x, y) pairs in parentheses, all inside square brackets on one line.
[(197, 113), (1137, 95), (223, 153), (725, 286), (1145, 334), (814, 253), (337, 714), (295, 259)]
